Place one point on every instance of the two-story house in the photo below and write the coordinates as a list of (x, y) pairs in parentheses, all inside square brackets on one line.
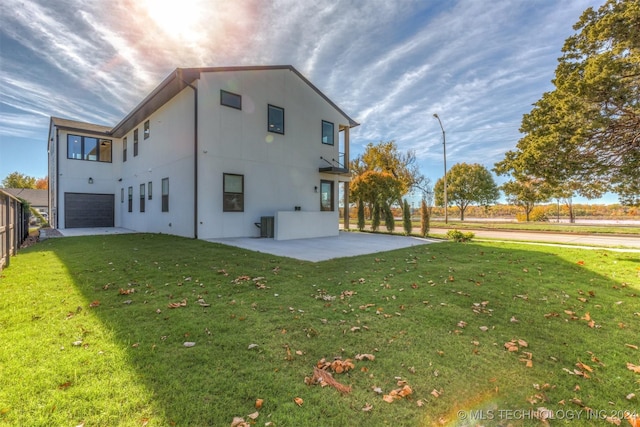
[(210, 153)]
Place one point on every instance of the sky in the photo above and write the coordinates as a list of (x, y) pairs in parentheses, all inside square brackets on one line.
[(389, 64)]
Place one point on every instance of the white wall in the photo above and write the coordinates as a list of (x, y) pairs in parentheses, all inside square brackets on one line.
[(280, 171), (167, 153)]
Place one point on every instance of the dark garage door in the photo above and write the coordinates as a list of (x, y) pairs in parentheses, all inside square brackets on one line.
[(88, 210)]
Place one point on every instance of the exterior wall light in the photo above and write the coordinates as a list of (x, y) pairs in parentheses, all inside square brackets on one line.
[(90, 180)]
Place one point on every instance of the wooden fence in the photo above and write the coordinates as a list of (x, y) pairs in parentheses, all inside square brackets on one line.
[(14, 227)]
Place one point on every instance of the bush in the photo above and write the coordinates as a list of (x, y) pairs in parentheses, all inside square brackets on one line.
[(406, 218), (459, 236), (424, 218), (361, 222), (537, 214)]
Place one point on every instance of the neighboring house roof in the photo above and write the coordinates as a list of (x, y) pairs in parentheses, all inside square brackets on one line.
[(34, 197), (177, 81)]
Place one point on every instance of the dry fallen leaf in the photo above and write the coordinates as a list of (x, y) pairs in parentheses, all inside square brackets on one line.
[(298, 401), (634, 368), (259, 403), (367, 407), (254, 415)]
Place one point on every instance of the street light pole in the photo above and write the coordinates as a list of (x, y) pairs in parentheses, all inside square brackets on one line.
[(444, 148)]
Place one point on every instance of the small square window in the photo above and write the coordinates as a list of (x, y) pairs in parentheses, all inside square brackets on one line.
[(233, 193), (327, 133), (147, 131), (276, 119), (230, 99)]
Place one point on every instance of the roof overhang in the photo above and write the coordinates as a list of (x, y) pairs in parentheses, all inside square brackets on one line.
[(170, 87)]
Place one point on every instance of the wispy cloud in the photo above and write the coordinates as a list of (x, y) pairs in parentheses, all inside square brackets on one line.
[(388, 64)]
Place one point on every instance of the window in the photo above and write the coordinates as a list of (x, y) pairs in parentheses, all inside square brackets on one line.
[(124, 149), (149, 189), (122, 195), (229, 99), (233, 193), (141, 197), (276, 119), (147, 131), (88, 148), (135, 142), (326, 195), (130, 199), (327, 133), (165, 194)]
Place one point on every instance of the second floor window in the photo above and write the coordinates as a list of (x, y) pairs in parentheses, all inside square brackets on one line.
[(276, 119), (88, 148), (135, 142), (229, 99), (147, 131), (327, 132), (124, 149)]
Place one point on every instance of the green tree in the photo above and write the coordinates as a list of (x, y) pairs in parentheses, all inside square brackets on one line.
[(361, 221), (375, 217), (18, 180), (389, 220), (587, 130), (425, 217), (466, 185), (385, 158), (526, 193), (376, 188), (406, 217)]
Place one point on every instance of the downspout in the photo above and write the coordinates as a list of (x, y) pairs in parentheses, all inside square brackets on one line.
[(57, 178), (195, 157)]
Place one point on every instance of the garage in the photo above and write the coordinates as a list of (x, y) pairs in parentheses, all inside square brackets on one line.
[(83, 210)]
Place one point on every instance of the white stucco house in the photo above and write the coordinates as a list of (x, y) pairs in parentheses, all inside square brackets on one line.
[(210, 153)]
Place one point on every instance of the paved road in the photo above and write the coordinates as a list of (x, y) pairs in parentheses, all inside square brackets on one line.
[(591, 240), (552, 237)]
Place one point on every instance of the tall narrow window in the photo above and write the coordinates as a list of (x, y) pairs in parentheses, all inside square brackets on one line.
[(142, 198), (124, 149), (233, 193), (147, 131), (122, 195), (130, 199), (135, 142), (326, 195), (149, 188), (276, 119), (165, 194), (229, 99), (327, 133)]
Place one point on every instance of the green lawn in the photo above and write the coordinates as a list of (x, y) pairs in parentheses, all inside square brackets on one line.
[(87, 335)]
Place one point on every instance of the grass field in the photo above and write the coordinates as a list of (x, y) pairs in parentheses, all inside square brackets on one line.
[(462, 334)]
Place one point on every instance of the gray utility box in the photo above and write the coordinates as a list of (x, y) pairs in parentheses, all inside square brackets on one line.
[(266, 226)]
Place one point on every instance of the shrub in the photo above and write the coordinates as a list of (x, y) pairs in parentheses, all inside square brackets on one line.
[(424, 218), (389, 220), (406, 217), (375, 217), (459, 236), (361, 221)]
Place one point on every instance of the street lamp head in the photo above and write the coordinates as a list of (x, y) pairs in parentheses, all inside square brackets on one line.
[(435, 115)]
